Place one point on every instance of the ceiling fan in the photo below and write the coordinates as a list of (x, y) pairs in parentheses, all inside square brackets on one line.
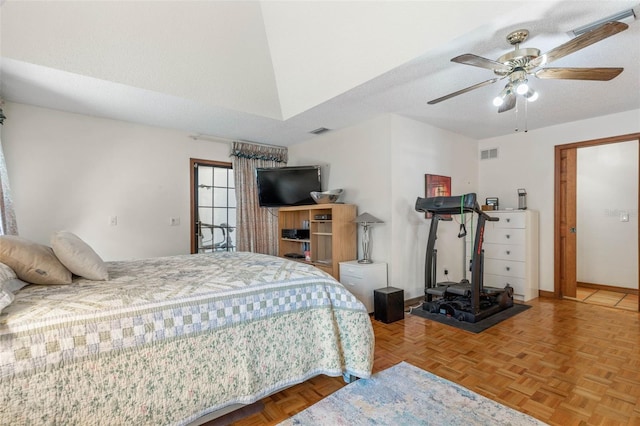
[(518, 64)]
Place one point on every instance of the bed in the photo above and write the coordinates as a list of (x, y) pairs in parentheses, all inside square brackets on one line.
[(171, 340)]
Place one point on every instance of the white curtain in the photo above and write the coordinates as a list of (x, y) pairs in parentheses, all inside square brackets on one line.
[(257, 227), (8, 224)]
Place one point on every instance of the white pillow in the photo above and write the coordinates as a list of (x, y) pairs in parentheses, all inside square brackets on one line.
[(6, 298), (78, 257), (6, 273), (8, 290), (9, 284)]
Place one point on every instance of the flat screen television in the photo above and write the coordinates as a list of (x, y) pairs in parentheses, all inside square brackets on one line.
[(287, 186)]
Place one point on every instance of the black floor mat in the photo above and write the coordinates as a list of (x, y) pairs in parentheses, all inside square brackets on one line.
[(476, 327)]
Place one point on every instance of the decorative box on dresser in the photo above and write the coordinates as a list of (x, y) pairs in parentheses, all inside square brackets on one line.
[(511, 252), (332, 234), (362, 279)]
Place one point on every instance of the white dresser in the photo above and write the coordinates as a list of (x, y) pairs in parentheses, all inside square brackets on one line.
[(362, 278), (511, 252)]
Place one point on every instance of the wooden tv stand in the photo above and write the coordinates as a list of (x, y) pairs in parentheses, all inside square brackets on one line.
[(331, 241)]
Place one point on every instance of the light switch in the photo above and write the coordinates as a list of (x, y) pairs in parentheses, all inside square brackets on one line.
[(113, 220)]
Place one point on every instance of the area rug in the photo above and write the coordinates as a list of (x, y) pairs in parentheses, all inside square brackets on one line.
[(407, 395), (475, 327)]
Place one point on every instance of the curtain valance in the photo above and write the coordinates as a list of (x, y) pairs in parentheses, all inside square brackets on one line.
[(251, 151)]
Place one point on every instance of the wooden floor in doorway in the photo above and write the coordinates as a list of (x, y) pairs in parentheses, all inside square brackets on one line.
[(609, 298), (563, 362)]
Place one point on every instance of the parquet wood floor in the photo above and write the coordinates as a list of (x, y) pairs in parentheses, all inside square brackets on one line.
[(607, 298), (562, 361)]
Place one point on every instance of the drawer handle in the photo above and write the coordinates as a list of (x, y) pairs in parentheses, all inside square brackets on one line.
[(508, 220), (508, 252), (508, 268), (508, 236)]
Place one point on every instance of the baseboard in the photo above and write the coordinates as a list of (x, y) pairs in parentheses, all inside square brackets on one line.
[(545, 293), (413, 302)]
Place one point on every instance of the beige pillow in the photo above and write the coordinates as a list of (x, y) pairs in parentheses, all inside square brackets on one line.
[(32, 262), (78, 257)]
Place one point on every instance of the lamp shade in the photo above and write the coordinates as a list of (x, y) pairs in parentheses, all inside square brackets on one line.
[(367, 218)]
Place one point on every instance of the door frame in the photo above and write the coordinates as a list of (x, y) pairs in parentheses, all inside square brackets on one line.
[(566, 246), (557, 290)]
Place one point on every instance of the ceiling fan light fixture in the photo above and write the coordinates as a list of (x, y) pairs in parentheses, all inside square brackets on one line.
[(531, 95), (499, 100), (522, 88)]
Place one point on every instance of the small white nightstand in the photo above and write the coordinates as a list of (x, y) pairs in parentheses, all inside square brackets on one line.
[(362, 278)]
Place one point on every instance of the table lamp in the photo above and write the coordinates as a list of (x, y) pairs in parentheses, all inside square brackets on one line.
[(366, 220)]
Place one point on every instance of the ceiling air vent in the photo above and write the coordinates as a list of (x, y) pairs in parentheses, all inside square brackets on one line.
[(319, 130), (489, 154)]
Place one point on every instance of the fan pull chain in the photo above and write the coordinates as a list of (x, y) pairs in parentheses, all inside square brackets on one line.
[(526, 116), (517, 109)]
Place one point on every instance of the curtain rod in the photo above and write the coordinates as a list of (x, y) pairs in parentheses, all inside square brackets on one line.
[(200, 136)]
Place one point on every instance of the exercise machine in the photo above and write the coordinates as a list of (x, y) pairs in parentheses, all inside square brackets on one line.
[(466, 300)]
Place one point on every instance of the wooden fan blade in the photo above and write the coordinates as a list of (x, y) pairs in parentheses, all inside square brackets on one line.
[(479, 61), (580, 42), (465, 90), (600, 74), (509, 103)]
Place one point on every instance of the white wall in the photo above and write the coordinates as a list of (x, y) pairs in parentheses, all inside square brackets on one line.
[(607, 187), (73, 172), (356, 159), (526, 160), (420, 149), (381, 165)]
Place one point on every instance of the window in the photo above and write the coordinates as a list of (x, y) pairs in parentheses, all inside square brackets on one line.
[(213, 206)]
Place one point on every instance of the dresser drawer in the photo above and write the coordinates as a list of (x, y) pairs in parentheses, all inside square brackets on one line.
[(353, 271), (360, 288), (505, 236), (504, 251), (352, 280), (504, 267), (362, 279), (509, 220)]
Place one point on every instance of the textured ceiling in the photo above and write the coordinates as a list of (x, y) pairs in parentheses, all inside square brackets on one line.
[(271, 71)]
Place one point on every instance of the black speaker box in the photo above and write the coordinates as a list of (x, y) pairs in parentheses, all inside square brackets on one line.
[(388, 304)]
